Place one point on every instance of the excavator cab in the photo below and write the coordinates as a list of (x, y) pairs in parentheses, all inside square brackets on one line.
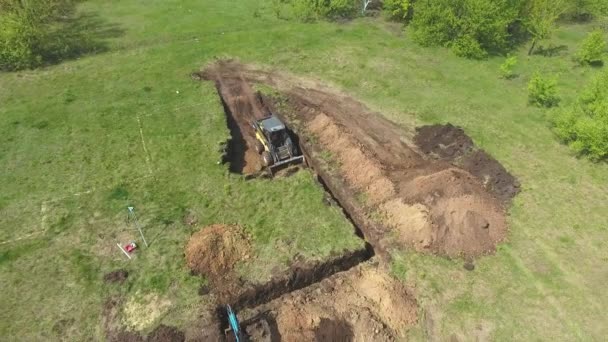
[(275, 144)]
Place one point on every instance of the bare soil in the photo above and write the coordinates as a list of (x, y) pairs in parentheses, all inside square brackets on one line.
[(362, 304), (241, 108), (214, 250), (118, 276), (450, 143), (166, 333), (393, 182)]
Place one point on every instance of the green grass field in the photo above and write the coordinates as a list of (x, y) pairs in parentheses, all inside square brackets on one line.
[(81, 140)]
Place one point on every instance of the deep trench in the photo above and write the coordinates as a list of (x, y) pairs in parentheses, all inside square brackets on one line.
[(234, 153), (300, 276)]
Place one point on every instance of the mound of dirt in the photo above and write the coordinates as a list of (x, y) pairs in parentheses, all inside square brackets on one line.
[(118, 276), (495, 177), (214, 250), (444, 141), (362, 304), (450, 143), (436, 208), (166, 334)]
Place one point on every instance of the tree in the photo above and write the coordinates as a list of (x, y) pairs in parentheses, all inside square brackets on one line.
[(365, 4), (472, 28), (593, 48), (398, 9), (540, 18), (584, 125), (24, 26), (307, 10)]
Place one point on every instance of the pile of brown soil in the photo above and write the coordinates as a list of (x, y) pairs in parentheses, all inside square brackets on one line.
[(444, 141), (433, 207), (165, 333), (450, 143), (362, 304), (118, 276), (214, 250)]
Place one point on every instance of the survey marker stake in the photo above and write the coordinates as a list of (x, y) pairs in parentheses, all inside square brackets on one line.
[(132, 213), (123, 250)]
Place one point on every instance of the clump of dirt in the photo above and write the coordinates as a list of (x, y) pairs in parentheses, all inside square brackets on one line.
[(166, 334), (214, 250), (362, 304), (450, 143), (118, 276), (333, 330), (495, 177), (444, 141)]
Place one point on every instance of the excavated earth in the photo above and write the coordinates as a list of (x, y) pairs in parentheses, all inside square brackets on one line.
[(430, 190), (362, 304)]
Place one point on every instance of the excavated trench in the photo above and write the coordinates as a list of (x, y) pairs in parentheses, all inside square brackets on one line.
[(241, 158), (430, 190)]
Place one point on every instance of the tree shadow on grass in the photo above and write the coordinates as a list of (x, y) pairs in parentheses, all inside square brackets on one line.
[(76, 35), (551, 51)]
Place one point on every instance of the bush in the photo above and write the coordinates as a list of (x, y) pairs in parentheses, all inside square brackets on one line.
[(24, 30), (542, 92), (584, 126), (398, 9), (593, 48), (18, 42), (506, 68), (307, 10), (472, 28)]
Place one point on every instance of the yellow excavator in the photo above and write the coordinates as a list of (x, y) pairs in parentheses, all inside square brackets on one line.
[(275, 144)]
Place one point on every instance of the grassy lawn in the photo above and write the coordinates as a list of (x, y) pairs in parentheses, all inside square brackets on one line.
[(81, 140)]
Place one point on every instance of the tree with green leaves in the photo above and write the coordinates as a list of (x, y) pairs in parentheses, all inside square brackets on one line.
[(399, 10), (593, 48), (540, 18), (307, 10), (471, 28), (584, 125), (24, 26)]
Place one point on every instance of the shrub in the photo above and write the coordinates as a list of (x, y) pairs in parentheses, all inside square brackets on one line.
[(542, 91), (18, 42), (24, 29), (398, 9), (506, 68), (584, 125), (307, 10), (472, 28), (593, 48)]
